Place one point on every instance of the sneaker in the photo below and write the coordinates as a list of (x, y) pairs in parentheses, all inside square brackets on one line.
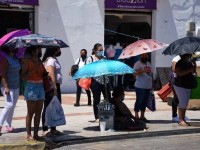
[(187, 119), (96, 121), (175, 119), (9, 129), (76, 104)]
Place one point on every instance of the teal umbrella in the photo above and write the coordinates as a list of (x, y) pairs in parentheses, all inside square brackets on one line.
[(103, 68)]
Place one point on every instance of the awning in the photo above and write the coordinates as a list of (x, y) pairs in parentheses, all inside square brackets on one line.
[(22, 2)]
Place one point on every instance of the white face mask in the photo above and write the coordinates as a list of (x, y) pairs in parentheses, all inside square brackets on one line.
[(99, 53)]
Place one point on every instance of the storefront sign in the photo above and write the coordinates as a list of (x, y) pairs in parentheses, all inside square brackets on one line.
[(131, 4), (23, 2)]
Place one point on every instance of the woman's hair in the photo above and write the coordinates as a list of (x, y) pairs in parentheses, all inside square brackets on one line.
[(49, 53), (96, 46), (185, 56), (5, 49), (84, 50), (30, 50), (118, 91)]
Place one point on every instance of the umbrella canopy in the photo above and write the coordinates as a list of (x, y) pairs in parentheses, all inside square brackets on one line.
[(186, 45), (11, 35), (141, 47), (103, 67), (43, 41)]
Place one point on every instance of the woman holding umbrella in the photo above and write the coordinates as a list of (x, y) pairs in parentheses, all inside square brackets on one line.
[(184, 82), (97, 85)]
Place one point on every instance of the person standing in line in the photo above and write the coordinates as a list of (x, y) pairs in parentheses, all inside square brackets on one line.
[(81, 62), (53, 67), (33, 71), (143, 85), (98, 85), (184, 82), (175, 100), (10, 86)]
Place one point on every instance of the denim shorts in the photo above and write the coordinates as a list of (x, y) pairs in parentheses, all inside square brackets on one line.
[(142, 96), (34, 91)]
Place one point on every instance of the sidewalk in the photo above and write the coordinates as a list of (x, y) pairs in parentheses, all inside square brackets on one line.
[(81, 126)]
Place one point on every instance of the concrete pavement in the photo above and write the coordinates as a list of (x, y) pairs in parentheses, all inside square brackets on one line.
[(81, 127)]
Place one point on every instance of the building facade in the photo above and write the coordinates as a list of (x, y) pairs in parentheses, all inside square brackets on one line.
[(82, 23)]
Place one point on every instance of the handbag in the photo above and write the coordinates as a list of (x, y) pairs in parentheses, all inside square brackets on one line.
[(48, 86), (151, 103), (85, 83), (54, 115)]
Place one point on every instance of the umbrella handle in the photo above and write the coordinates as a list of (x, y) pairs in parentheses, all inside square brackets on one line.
[(104, 78)]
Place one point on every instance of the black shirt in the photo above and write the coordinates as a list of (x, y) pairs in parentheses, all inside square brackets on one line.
[(184, 81)]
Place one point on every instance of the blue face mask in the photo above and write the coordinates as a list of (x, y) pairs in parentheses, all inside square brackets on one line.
[(99, 53)]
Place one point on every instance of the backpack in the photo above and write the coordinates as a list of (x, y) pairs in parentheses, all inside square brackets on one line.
[(74, 68)]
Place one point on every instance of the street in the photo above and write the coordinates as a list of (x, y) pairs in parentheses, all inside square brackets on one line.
[(175, 142)]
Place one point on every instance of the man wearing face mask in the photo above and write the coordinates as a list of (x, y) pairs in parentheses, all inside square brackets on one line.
[(124, 119), (143, 85), (81, 62)]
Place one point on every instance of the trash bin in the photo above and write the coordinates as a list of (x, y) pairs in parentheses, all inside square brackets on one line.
[(106, 114)]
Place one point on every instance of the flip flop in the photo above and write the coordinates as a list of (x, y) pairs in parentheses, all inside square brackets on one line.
[(183, 124)]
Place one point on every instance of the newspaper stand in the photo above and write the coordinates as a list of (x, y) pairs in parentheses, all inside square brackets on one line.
[(106, 114)]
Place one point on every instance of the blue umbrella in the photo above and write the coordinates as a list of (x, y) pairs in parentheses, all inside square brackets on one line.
[(101, 68)]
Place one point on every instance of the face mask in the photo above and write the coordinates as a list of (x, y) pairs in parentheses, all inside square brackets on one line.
[(144, 60), (39, 54), (57, 54), (122, 98), (99, 53), (83, 57)]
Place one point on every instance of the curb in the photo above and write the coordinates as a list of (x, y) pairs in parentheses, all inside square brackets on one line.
[(56, 144), (24, 146)]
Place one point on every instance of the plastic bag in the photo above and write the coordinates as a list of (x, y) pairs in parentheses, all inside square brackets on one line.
[(85, 83), (54, 115)]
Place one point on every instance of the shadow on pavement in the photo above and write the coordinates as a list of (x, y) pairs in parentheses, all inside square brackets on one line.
[(160, 121), (93, 128)]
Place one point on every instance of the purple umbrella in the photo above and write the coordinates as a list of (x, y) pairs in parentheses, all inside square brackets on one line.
[(11, 35)]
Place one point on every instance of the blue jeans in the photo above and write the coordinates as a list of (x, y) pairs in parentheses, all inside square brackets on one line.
[(142, 96)]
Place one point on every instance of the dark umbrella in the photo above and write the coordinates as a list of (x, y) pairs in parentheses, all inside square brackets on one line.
[(43, 41), (186, 45)]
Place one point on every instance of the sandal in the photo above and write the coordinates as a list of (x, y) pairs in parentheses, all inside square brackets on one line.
[(56, 132), (183, 124)]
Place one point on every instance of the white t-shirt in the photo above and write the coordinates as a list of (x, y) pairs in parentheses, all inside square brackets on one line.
[(176, 58), (80, 62), (54, 63), (143, 81)]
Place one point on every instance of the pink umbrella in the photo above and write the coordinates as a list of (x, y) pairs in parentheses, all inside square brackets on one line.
[(11, 35), (141, 47)]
